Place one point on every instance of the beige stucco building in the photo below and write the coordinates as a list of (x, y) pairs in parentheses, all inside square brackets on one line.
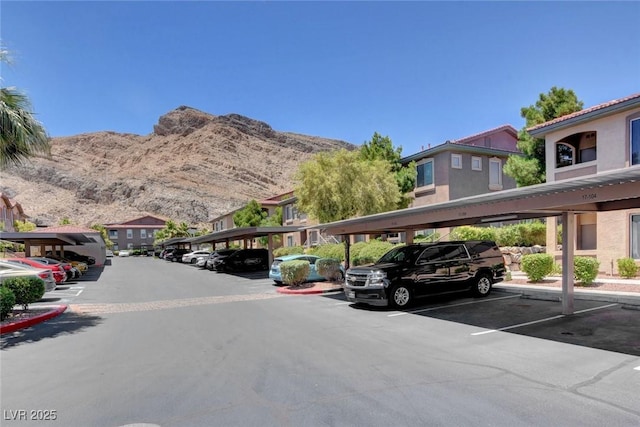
[(601, 138)]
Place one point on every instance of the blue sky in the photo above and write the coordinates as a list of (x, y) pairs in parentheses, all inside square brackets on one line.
[(418, 72)]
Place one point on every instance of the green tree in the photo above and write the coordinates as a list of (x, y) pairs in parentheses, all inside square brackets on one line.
[(251, 215), (273, 220), (21, 135), (23, 226), (337, 185), (103, 232), (171, 230), (381, 148), (530, 169)]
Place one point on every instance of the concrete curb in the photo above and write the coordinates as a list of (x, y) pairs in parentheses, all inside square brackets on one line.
[(21, 324), (308, 291), (554, 294)]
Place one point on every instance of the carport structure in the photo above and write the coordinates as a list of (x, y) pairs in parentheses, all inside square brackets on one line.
[(607, 191), (43, 239), (246, 234)]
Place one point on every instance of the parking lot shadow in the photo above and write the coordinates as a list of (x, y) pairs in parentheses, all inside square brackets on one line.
[(595, 324), (64, 324), (92, 274)]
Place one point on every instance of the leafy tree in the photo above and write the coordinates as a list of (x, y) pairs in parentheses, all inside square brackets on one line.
[(251, 215), (273, 220), (337, 185), (21, 135), (25, 226), (171, 230), (103, 232), (381, 148), (531, 169)]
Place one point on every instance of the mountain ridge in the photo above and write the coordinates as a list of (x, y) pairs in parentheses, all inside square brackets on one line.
[(193, 167)]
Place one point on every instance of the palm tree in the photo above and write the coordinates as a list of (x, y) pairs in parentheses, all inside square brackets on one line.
[(21, 135)]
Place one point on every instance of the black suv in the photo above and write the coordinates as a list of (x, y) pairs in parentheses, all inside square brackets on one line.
[(217, 254), (408, 272), (243, 260), (74, 256)]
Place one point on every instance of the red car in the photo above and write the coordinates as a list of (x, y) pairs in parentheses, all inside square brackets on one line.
[(59, 275)]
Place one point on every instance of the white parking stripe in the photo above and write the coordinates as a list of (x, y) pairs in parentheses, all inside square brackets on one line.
[(637, 368), (451, 305), (541, 320)]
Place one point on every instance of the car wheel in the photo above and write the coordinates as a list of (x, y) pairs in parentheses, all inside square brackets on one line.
[(193, 260), (400, 296), (278, 282), (482, 287)]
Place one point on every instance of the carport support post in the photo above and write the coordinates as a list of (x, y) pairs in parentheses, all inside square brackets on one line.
[(270, 248), (347, 246), (568, 228)]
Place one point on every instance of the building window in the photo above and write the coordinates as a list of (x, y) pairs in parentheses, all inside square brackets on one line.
[(586, 232), (476, 163), (635, 141), (577, 148), (113, 234), (495, 174), (635, 237), (425, 173), (143, 234), (289, 240), (456, 161), (129, 233), (289, 213)]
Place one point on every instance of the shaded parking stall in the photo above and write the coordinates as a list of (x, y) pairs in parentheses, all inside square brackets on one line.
[(602, 192)]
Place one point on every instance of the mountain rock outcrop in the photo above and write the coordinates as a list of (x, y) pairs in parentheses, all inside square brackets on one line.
[(193, 167)]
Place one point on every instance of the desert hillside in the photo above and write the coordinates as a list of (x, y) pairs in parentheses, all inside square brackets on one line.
[(193, 167)]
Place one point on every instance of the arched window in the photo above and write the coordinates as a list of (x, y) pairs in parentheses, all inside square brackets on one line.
[(565, 154)]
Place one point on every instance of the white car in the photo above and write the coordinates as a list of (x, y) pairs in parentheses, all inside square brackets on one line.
[(8, 269), (192, 257), (124, 252), (201, 261), (109, 253)]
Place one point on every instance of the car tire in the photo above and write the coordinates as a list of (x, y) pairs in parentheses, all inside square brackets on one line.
[(193, 260), (482, 286), (400, 296), (278, 282)]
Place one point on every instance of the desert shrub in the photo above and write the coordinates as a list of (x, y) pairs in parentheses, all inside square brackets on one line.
[(356, 248), (375, 249), (329, 268), (294, 273), (585, 269), (537, 266), (507, 236), (331, 250), (7, 301), (26, 289), (467, 232), (533, 233), (627, 268), (288, 250)]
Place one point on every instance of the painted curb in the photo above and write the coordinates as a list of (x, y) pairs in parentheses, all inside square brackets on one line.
[(306, 291), (12, 327)]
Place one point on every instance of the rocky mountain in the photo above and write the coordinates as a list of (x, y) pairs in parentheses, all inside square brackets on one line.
[(193, 167)]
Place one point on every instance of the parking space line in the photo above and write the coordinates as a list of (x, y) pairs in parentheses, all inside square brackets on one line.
[(451, 305), (637, 368), (343, 303), (490, 331)]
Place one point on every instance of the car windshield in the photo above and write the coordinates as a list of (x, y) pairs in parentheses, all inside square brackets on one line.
[(400, 254)]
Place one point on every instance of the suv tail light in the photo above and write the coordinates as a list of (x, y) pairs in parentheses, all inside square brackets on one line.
[(43, 275)]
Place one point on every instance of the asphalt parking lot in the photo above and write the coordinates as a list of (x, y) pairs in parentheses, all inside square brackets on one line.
[(595, 324)]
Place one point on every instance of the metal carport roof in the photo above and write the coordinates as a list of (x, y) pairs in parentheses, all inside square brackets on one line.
[(607, 191)]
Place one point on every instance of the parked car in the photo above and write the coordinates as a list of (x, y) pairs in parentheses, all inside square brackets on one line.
[(8, 270), (72, 272), (109, 253), (124, 253), (192, 257), (217, 254), (59, 275), (176, 255), (81, 266), (408, 272), (201, 261), (244, 260), (314, 276), (74, 256)]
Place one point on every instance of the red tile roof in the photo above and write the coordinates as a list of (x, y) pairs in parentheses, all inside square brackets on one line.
[(585, 111), (65, 229), (507, 128)]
